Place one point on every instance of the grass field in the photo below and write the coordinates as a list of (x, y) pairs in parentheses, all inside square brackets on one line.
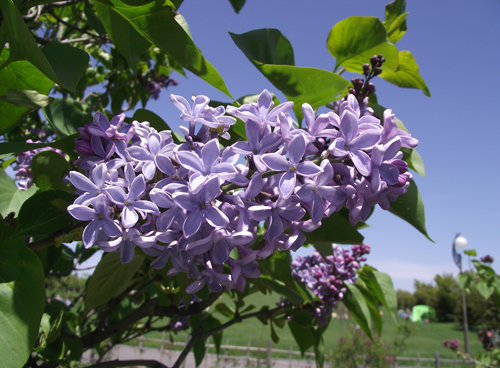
[(426, 338)]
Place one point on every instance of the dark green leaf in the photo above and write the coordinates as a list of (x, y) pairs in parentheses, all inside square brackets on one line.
[(356, 304), (45, 213), (156, 22), (48, 169), (314, 86), (395, 20), (371, 302), (126, 39), (64, 117), (223, 309), (414, 160), (65, 71), (276, 272), (11, 198), (484, 290), (335, 229), (142, 115), (237, 5), (410, 208), (353, 41), (380, 285), (26, 98), (319, 347), (66, 144), (471, 252), (19, 75), (406, 75), (302, 332), (199, 352), (325, 249), (94, 21), (274, 335), (110, 279), (22, 300)]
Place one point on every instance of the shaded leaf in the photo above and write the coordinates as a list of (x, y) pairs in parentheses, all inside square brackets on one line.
[(395, 20), (156, 22), (48, 169), (66, 144), (335, 229), (110, 279), (381, 287), (371, 302), (39, 216), (19, 75), (353, 41), (237, 5), (64, 117), (11, 198), (484, 290), (407, 74), (26, 98), (356, 304), (22, 300), (410, 208), (63, 71)]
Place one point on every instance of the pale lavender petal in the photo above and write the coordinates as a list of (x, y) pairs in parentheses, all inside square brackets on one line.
[(327, 175), (82, 213), (269, 141), (241, 148), (110, 227), (145, 206), (365, 140), (145, 241), (338, 148), (349, 126), (297, 149), (275, 162), (390, 173), (362, 162), (378, 154), (252, 130), (165, 165), (210, 191), (210, 154), (129, 217), (149, 170), (220, 252), (261, 166), (254, 187), (111, 245), (126, 251), (193, 223), (200, 246), (287, 184), (166, 218), (137, 188), (275, 228), (90, 233), (334, 195), (392, 148), (81, 182), (99, 175), (196, 182), (196, 286), (308, 168), (186, 201), (140, 154), (259, 213), (116, 195), (241, 238), (318, 207), (216, 217), (305, 193), (190, 161), (154, 143), (161, 198), (292, 213), (224, 171)]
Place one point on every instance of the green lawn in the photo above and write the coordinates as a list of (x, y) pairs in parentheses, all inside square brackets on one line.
[(426, 339)]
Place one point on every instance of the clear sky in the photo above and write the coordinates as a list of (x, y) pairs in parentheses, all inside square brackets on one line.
[(456, 46)]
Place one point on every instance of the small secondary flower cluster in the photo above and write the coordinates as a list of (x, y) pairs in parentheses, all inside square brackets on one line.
[(201, 204), (452, 344), (487, 259), (326, 277), (22, 166)]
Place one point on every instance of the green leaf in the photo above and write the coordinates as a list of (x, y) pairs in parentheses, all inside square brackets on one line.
[(335, 229), (471, 252), (274, 59), (142, 115), (64, 117), (94, 21), (22, 301), (484, 290), (395, 20), (11, 198), (129, 43), (465, 280), (45, 213), (63, 71), (325, 249), (381, 286), (356, 304), (414, 160), (48, 169), (199, 352), (156, 22), (237, 5), (274, 335), (19, 75), (223, 309), (66, 144), (410, 208), (406, 75), (110, 279), (319, 347), (266, 45), (353, 41), (371, 302), (301, 328), (26, 98)]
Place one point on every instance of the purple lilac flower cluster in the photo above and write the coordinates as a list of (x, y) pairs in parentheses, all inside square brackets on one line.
[(487, 259), (200, 205), (452, 344), (22, 166), (326, 277)]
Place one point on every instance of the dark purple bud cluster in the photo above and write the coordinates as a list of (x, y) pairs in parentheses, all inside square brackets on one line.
[(452, 344), (22, 165), (489, 339), (326, 277), (199, 207), (154, 83), (487, 259)]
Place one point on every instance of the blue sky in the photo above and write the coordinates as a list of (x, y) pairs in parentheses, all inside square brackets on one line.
[(456, 46)]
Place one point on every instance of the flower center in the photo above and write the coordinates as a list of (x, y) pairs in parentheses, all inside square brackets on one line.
[(125, 203), (346, 147), (101, 216), (191, 147), (293, 168), (175, 177), (313, 188), (202, 205)]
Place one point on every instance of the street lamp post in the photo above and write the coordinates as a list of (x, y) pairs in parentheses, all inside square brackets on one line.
[(460, 242)]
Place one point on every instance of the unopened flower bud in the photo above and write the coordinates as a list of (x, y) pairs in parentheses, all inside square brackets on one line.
[(366, 69), (377, 70)]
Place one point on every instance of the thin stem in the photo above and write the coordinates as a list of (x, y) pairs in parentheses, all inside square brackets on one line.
[(341, 71), (129, 363)]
